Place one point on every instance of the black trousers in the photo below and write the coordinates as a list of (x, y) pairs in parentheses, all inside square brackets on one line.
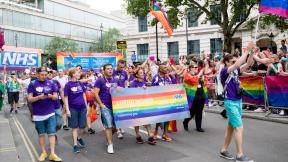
[(197, 111)]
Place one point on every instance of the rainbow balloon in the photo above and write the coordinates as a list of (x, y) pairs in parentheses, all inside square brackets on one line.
[(137, 106), (253, 90), (160, 15), (277, 90)]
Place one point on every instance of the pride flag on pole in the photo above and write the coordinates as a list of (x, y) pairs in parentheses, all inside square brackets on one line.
[(276, 7), (160, 15)]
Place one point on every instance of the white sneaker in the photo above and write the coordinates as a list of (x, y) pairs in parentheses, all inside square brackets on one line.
[(122, 131), (281, 112), (258, 110), (120, 135), (110, 149)]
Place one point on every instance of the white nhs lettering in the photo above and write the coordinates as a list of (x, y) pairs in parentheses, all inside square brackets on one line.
[(19, 59)]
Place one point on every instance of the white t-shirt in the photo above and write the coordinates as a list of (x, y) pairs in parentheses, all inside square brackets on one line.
[(154, 70), (62, 80)]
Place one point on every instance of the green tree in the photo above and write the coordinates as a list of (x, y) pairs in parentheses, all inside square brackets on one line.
[(231, 11), (108, 42), (58, 44)]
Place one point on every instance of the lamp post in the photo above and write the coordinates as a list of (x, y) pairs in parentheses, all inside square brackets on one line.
[(271, 36), (186, 17), (157, 51), (16, 40), (101, 30)]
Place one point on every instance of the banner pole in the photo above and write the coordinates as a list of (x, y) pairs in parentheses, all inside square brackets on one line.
[(257, 27)]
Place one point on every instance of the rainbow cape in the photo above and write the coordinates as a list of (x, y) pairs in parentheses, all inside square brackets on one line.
[(160, 15), (253, 90)]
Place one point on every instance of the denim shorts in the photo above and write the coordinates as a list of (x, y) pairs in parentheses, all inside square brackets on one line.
[(59, 120), (234, 112), (78, 119), (47, 126), (107, 118)]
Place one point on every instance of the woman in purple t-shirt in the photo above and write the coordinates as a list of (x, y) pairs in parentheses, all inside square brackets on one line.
[(76, 107), (136, 83)]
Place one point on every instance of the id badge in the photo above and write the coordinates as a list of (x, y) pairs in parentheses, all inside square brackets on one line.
[(108, 85)]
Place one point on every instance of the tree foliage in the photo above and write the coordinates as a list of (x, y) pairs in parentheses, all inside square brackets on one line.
[(108, 42), (58, 44), (231, 11)]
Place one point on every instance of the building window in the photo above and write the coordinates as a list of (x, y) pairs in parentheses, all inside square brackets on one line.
[(142, 23), (216, 45), (193, 15), (142, 51), (194, 47), (216, 10), (173, 50)]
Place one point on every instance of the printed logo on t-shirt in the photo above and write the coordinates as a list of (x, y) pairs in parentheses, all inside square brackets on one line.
[(39, 89), (74, 89)]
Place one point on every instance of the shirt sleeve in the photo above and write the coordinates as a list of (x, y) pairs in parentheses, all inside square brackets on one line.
[(98, 83), (66, 90), (30, 88), (83, 87)]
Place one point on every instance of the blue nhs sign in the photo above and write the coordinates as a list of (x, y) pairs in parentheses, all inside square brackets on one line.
[(20, 59)]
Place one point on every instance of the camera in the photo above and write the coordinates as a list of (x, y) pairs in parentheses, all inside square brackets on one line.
[(240, 91)]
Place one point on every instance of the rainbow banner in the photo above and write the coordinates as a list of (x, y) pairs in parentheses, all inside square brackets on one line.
[(87, 60), (191, 91), (253, 90), (138, 106), (277, 90)]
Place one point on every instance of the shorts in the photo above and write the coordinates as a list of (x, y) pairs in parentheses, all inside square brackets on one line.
[(78, 119), (59, 121), (13, 97), (47, 126), (234, 112), (107, 118)]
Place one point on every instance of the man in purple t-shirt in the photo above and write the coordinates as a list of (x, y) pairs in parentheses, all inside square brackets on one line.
[(42, 94), (102, 90), (233, 102)]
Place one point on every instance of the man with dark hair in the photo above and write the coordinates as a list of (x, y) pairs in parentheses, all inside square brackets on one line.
[(42, 94), (283, 46), (102, 91), (13, 89)]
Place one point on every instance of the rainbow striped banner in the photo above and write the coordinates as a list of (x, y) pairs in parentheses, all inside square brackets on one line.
[(277, 90), (253, 90), (191, 91), (138, 106)]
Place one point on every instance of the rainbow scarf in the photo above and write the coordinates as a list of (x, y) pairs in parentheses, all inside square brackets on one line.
[(253, 90)]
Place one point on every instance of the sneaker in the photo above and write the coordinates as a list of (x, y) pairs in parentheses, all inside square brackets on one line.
[(120, 135), (55, 158), (282, 113), (200, 130), (243, 158), (139, 140), (226, 155), (43, 156), (11, 110), (166, 138), (81, 142), (91, 131), (151, 141), (110, 149), (259, 109), (76, 149), (185, 126), (16, 111), (65, 127)]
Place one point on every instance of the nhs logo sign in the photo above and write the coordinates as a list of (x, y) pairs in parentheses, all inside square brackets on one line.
[(20, 59)]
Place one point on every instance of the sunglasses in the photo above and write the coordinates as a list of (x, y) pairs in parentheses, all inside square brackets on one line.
[(233, 62)]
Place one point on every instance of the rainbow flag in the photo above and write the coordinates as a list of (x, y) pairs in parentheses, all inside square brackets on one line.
[(191, 91), (276, 7), (160, 15), (277, 90), (138, 106), (253, 90)]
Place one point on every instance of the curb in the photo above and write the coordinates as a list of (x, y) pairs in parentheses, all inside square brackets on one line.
[(249, 116)]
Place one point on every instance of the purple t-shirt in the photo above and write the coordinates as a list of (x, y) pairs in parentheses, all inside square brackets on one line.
[(87, 86), (120, 77), (137, 83), (57, 89), (233, 85), (37, 88), (105, 85), (74, 91), (161, 81)]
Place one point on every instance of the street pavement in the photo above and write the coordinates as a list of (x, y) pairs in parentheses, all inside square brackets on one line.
[(263, 141)]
